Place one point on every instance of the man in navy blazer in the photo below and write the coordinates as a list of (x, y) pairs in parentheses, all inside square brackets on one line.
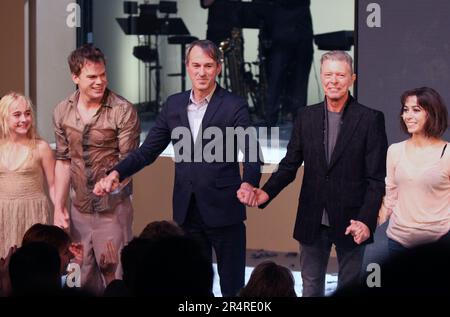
[(206, 179), (343, 146)]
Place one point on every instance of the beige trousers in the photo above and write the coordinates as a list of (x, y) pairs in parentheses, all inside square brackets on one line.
[(94, 230)]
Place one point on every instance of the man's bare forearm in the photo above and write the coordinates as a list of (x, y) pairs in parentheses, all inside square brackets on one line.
[(62, 183)]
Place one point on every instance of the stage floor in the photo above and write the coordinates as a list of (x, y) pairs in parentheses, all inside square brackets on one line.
[(290, 260)]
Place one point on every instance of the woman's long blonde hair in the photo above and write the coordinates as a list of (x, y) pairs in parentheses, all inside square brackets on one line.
[(6, 101)]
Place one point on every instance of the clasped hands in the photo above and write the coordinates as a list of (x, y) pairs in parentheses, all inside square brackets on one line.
[(251, 196), (107, 184)]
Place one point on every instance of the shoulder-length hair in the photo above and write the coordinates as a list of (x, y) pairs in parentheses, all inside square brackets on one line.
[(6, 101), (433, 104)]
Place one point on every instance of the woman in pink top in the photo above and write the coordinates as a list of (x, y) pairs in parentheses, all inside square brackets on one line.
[(417, 200)]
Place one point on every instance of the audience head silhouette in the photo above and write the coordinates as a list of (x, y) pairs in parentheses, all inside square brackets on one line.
[(34, 269), (53, 235), (269, 279), (135, 251), (161, 229), (173, 266)]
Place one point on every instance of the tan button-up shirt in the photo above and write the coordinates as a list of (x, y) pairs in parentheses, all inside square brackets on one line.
[(96, 147)]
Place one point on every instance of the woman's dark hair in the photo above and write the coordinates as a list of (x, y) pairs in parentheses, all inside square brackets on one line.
[(433, 104)]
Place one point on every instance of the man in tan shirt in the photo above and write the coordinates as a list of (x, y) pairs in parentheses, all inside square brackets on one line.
[(94, 129)]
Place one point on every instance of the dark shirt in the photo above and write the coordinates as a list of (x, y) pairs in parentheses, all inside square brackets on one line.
[(332, 126)]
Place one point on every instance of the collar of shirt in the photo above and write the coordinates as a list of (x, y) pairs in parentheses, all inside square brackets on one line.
[(105, 102), (193, 105), (344, 109)]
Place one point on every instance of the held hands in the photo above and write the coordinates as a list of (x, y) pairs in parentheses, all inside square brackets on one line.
[(358, 230), (246, 194), (251, 196), (107, 184)]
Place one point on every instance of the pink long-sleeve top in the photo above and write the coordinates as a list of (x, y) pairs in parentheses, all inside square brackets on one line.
[(417, 196)]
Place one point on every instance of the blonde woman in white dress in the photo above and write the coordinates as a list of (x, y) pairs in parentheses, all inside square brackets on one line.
[(26, 170)]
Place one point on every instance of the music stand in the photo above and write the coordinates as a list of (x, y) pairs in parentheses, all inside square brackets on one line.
[(148, 24)]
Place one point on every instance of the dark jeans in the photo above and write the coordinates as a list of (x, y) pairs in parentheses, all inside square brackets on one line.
[(396, 249), (229, 245), (314, 260), (445, 238)]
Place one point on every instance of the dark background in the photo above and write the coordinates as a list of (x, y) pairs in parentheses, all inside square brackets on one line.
[(411, 49)]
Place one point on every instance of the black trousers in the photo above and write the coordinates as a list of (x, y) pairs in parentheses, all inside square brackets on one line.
[(229, 244)]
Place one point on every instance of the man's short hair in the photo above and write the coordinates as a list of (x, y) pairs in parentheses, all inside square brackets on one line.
[(433, 104), (79, 57), (208, 47), (341, 56)]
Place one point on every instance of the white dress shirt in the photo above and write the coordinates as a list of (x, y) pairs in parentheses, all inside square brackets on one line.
[(196, 112)]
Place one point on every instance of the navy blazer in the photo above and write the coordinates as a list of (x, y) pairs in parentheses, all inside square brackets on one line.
[(351, 186), (214, 184)]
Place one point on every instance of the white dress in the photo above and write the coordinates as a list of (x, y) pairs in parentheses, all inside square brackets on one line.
[(23, 201)]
